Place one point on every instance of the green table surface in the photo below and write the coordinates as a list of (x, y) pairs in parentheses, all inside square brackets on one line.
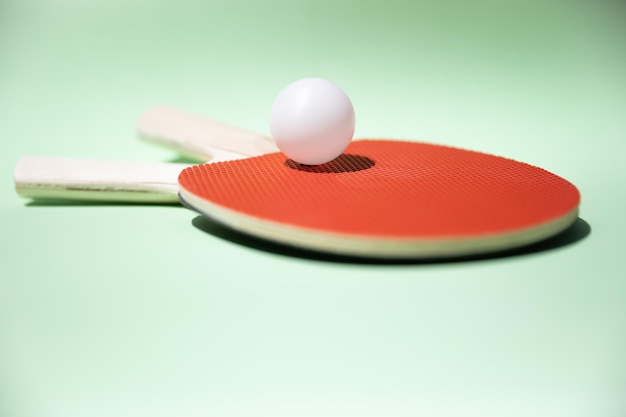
[(146, 310)]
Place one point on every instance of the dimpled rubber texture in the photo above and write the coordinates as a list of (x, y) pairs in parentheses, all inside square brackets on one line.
[(383, 191)]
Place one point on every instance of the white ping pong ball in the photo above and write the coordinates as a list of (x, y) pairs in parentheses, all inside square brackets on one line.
[(312, 121)]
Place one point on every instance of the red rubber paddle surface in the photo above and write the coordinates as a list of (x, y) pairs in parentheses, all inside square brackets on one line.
[(389, 189)]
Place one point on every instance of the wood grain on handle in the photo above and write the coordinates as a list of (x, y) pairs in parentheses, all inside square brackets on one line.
[(97, 180), (199, 138)]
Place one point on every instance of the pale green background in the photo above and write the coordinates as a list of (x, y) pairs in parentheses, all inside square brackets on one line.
[(130, 310)]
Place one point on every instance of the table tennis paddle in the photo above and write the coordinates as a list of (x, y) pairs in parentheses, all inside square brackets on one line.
[(385, 199)]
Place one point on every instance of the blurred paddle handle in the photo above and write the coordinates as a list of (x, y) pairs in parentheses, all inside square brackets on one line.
[(96, 180), (200, 138)]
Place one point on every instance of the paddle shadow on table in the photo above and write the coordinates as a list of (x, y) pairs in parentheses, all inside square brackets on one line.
[(575, 233)]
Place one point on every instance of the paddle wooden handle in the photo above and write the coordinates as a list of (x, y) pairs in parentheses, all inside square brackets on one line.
[(96, 180), (89, 179), (198, 137)]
